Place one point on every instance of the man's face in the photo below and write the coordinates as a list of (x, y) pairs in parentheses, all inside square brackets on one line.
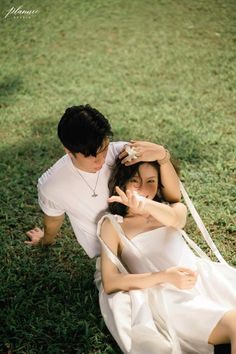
[(91, 163)]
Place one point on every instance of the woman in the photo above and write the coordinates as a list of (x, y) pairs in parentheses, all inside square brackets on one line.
[(178, 302)]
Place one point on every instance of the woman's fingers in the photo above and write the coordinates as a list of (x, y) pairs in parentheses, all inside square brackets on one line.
[(120, 198), (114, 198), (128, 162), (132, 200), (128, 198), (189, 277), (122, 194), (130, 154), (187, 271), (122, 154)]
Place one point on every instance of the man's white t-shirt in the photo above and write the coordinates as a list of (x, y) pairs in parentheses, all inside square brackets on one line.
[(61, 189)]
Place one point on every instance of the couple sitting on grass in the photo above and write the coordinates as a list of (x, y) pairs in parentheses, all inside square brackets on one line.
[(156, 295)]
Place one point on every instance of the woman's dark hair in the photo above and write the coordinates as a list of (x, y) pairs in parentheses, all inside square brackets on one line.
[(120, 175), (83, 129)]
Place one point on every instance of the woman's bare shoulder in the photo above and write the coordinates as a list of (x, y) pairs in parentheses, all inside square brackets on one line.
[(107, 229)]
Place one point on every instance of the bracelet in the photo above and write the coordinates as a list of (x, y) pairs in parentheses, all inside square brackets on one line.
[(140, 198), (165, 159)]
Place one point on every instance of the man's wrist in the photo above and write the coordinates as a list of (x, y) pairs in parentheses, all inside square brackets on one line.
[(44, 242), (47, 240)]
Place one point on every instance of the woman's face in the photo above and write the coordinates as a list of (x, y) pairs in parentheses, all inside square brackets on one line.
[(145, 181)]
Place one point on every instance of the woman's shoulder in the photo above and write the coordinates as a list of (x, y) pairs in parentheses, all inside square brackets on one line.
[(112, 218), (109, 230), (109, 222)]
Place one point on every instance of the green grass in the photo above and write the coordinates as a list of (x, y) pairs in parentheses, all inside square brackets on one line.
[(159, 70)]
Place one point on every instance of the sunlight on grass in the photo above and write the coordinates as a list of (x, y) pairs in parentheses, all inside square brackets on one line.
[(159, 70)]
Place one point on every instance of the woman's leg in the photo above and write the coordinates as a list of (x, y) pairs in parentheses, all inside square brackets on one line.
[(225, 331)]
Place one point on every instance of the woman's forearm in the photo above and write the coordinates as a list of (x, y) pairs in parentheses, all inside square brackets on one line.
[(170, 182), (182, 278), (126, 282), (165, 214)]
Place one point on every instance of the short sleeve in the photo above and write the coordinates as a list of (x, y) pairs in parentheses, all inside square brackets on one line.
[(115, 149), (48, 206), (118, 146)]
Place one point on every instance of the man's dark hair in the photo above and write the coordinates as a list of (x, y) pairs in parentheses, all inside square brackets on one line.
[(120, 175), (83, 129)]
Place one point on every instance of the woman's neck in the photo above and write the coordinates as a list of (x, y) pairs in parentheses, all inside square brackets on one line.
[(134, 224)]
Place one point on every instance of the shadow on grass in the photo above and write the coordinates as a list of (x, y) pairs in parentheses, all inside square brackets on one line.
[(49, 303)]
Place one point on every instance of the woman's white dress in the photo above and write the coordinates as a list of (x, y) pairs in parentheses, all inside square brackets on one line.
[(164, 319)]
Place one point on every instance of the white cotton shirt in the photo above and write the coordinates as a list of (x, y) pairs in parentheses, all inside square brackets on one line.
[(61, 190)]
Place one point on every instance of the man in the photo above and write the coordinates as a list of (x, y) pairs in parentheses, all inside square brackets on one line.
[(77, 183)]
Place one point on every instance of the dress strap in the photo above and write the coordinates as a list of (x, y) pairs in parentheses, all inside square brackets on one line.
[(194, 246), (113, 258), (116, 220), (200, 224)]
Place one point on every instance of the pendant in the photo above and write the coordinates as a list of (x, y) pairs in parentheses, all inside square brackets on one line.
[(149, 219), (94, 195)]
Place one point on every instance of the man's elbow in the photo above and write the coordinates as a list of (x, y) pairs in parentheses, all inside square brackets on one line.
[(53, 219)]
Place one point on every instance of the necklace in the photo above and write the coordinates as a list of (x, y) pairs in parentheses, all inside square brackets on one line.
[(92, 189), (150, 219)]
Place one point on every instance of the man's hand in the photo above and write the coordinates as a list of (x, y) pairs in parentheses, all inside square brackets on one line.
[(36, 235), (145, 151), (45, 237), (182, 278)]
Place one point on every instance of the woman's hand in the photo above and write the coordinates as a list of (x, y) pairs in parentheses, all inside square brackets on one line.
[(132, 200), (144, 151), (182, 278)]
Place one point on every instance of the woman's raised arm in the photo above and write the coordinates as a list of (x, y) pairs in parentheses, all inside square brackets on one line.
[(147, 151), (169, 215)]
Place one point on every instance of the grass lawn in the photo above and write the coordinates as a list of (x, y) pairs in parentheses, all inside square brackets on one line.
[(160, 70)]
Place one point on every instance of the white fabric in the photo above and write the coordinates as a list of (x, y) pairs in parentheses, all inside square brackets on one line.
[(62, 190), (200, 224), (164, 319)]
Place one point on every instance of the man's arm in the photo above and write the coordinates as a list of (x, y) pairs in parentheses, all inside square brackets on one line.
[(52, 225)]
